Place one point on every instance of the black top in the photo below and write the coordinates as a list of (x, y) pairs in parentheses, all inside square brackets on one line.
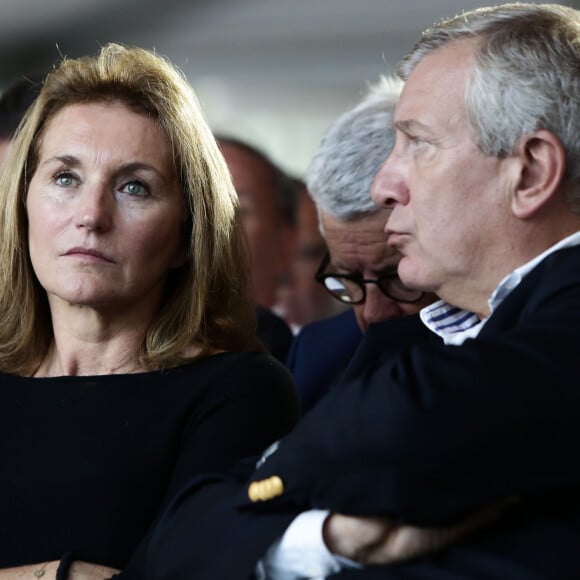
[(88, 462)]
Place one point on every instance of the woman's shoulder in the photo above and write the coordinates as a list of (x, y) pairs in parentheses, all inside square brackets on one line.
[(241, 364), (254, 374)]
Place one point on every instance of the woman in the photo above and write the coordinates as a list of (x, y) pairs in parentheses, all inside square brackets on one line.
[(126, 328)]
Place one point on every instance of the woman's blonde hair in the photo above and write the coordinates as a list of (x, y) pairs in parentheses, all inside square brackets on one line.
[(207, 300)]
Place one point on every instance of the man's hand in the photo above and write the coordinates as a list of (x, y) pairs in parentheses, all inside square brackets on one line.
[(378, 540)]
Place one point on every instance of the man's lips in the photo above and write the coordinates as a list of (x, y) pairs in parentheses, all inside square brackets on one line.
[(396, 238), (88, 253)]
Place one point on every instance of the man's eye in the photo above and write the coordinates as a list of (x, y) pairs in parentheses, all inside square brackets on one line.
[(418, 142)]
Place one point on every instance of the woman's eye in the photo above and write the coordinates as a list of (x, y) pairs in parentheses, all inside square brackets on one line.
[(135, 188), (64, 180)]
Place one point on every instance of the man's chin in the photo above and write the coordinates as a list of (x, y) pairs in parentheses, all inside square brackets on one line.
[(413, 276)]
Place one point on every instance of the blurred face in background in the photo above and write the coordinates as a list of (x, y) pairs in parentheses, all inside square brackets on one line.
[(270, 237), (303, 299)]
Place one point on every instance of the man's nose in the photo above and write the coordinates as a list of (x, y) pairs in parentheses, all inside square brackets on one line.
[(377, 307), (389, 187)]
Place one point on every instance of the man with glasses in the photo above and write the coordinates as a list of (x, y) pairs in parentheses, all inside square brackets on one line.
[(360, 269), (351, 288)]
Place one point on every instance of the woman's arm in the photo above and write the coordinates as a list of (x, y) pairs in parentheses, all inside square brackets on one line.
[(47, 571)]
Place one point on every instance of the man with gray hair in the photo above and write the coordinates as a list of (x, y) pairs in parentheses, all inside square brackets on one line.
[(360, 269), (477, 429)]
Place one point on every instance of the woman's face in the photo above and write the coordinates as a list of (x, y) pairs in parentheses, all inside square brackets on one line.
[(105, 210)]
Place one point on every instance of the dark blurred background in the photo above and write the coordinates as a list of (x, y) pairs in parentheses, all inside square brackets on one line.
[(274, 72)]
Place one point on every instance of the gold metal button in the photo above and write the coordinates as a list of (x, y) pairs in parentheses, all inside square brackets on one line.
[(265, 489)]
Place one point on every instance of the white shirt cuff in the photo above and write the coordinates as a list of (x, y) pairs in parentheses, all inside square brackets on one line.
[(301, 552)]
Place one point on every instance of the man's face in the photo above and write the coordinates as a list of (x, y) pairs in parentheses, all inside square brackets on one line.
[(360, 247), (450, 203), (263, 223)]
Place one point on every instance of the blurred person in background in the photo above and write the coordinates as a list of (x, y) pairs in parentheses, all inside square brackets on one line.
[(359, 270), (301, 299), (267, 200), (268, 207), (15, 100)]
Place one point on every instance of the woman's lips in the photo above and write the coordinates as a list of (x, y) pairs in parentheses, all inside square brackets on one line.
[(88, 253)]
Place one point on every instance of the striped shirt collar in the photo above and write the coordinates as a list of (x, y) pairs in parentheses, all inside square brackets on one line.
[(455, 325)]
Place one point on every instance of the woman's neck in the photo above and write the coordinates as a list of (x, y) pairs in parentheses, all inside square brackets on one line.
[(88, 344), (90, 359)]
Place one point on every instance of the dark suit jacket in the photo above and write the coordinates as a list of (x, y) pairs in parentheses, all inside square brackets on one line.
[(427, 437), (320, 352)]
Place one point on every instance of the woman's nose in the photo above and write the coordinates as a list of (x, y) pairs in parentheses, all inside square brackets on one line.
[(94, 208)]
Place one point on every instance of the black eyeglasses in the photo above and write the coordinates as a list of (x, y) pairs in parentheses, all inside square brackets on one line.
[(351, 288)]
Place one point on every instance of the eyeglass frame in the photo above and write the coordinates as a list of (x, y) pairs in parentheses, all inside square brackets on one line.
[(320, 277)]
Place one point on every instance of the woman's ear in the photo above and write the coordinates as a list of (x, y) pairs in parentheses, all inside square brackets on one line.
[(543, 162)]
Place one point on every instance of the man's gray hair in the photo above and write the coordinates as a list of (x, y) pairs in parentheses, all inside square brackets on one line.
[(340, 174), (525, 76)]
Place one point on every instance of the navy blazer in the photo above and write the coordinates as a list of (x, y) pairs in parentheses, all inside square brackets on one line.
[(428, 437), (320, 352)]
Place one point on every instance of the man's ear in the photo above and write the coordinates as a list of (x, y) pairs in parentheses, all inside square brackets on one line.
[(543, 162)]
